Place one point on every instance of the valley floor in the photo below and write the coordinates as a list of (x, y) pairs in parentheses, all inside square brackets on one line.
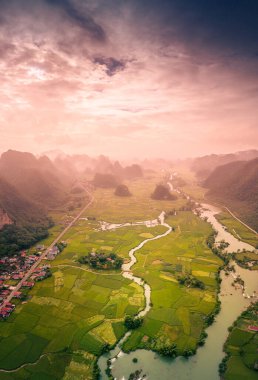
[(72, 316)]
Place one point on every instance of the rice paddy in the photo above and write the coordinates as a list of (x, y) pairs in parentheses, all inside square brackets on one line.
[(72, 315)]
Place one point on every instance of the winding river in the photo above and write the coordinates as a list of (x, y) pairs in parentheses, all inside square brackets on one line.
[(203, 365)]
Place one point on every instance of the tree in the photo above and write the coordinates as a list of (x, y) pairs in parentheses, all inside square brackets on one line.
[(132, 323), (122, 191), (161, 192), (169, 350)]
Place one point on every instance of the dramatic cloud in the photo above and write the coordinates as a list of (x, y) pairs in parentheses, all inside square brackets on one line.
[(128, 78)]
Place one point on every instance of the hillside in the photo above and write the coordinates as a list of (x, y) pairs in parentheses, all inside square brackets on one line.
[(236, 186), (203, 166), (36, 179), (27, 222)]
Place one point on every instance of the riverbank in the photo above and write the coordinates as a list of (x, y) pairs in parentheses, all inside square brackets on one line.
[(207, 359)]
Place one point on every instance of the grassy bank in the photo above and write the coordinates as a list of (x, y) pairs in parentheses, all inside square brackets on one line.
[(237, 229)]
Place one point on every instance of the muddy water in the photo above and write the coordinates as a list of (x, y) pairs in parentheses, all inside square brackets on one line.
[(126, 272), (204, 365), (209, 212)]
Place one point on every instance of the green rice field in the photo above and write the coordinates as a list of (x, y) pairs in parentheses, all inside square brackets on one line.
[(60, 331)]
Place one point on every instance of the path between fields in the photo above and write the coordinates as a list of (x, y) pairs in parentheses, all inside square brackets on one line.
[(25, 364), (86, 270)]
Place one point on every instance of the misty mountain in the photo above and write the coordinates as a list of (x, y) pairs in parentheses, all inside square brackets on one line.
[(36, 179), (203, 166), (236, 186), (83, 164)]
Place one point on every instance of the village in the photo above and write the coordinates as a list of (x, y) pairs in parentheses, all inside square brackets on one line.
[(14, 268)]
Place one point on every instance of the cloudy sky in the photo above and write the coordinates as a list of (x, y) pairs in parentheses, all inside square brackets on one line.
[(142, 78)]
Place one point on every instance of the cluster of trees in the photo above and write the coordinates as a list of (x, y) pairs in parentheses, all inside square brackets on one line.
[(14, 238), (137, 375), (102, 261), (132, 323), (211, 317), (61, 245), (210, 241), (190, 281), (162, 192), (202, 338), (168, 350)]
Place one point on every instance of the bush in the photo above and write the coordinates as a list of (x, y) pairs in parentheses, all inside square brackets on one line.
[(132, 323)]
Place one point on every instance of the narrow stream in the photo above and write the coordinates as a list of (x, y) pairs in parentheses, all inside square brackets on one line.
[(203, 365), (126, 272)]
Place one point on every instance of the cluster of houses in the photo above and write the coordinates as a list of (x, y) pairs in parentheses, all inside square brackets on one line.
[(7, 310), (53, 253), (13, 270)]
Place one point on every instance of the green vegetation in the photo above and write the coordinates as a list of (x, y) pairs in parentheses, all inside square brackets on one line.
[(235, 185), (14, 238), (161, 192), (79, 312), (168, 350), (190, 281), (247, 260), (179, 313), (237, 229), (132, 323), (241, 361), (102, 261)]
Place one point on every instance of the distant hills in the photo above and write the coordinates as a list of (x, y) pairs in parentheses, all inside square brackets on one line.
[(83, 164), (236, 185), (203, 166)]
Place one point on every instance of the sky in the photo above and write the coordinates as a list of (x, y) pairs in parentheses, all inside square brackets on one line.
[(136, 78)]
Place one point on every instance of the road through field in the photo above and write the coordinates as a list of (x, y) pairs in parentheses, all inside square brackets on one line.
[(239, 220), (36, 264)]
